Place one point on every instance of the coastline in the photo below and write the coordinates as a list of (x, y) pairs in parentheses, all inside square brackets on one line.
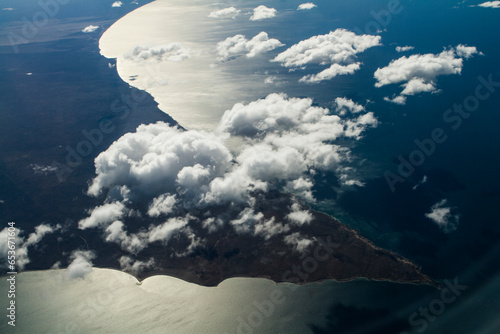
[(111, 301), (141, 74)]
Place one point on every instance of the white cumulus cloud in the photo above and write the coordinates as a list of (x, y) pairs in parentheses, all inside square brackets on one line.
[(299, 242), (418, 73), (81, 264), (306, 6), (238, 45), (174, 52), (344, 105), (162, 205), (117, 4), (330, 73), (337, 49), (270, 228), (262, 12), (103, 215), (90, 28), (299, 217), (441, 214), (490, 4), (230, 12)]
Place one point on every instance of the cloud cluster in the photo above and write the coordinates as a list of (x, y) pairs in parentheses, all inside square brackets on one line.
[(238, 45), (160, 173), (81, 264), (172, 52), (418, 72), (225, 13), (441, 214), (117, 4), (337, 49), (306, 6), (90, 28), (262, 12)]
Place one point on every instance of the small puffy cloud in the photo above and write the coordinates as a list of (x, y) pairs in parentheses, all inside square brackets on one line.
[(269, 228), (404, 48), (337, 49), (90, 28), (225, 13), (132, 243), (306, 6), (441, 214), (238, 45), (299, 217), (165, 231), (262, 12), (117, 4), (40, 231), (417, 85), (344, 105), (81, 264), (103, 215), (466, 52), (330, 73), (400, 99), (174, 52), (161, 205), (246, 221), (302, 188), (130, 265), (298, 242), (270, 80), (418, 73), (212, 224), (349, 182), (490, 4)]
